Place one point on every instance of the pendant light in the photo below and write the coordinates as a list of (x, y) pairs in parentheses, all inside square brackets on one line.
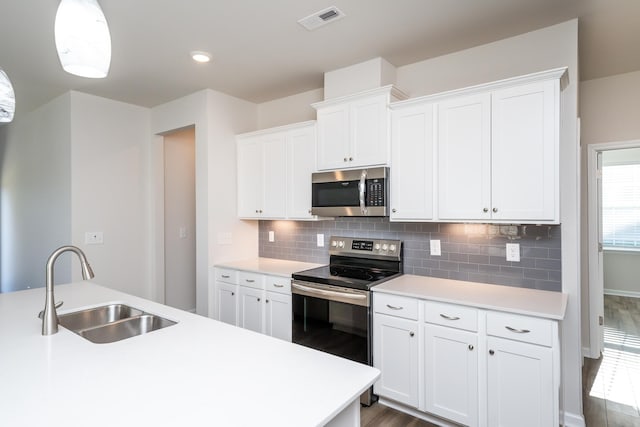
[(7, 98), (82, 38)]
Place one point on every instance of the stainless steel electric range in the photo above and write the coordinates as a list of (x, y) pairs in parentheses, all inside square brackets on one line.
[(332, 304)]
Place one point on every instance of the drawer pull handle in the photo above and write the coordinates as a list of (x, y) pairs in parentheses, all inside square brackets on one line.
[(249, 280), (518, 331), (411, 334), (225, 276), (491, 352), (278, 286), (470, 347), (394, 307), (444, 316)]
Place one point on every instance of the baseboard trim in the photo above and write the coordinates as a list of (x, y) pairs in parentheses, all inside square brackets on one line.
[(586, 352), (619, 293), (416, 413), (573, 420)]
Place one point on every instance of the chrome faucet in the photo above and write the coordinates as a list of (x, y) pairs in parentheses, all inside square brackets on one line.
[(49, 315)]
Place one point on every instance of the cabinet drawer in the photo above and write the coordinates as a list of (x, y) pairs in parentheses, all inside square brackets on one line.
[(252, 280), (226, 275), (451, 315), (281, 285), (521, 328), (394, 305)]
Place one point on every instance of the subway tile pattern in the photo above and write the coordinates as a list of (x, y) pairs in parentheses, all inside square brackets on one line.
[(473, 252)]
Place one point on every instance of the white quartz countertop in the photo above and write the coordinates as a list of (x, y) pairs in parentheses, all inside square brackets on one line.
[(531, 302), (275, 267), (195, 373)]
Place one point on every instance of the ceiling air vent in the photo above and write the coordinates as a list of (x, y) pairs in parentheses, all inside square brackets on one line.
[(323, 17)]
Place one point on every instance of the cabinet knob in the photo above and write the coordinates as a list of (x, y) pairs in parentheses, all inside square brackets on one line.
[(495, 210), (394, 210), (491, 352), (470, 347), (258, 299), (411, 334), (309, 210), (345, 159), (256, 210), (266, 301), (260, 210), (351, 159), (485, 210), (233, 293)]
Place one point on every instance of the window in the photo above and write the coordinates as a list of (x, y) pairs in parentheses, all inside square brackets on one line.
[(621, 206)]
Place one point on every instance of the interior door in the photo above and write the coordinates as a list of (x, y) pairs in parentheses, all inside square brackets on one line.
[(600, 259)]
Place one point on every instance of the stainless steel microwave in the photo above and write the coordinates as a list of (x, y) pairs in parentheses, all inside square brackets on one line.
[(354, 192)]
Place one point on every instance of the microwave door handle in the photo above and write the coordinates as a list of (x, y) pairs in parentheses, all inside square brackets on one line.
[(361, 190)]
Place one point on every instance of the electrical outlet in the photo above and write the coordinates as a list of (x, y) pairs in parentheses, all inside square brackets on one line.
[(320, 240), (272, 236), (93, 238), (435, 247), (513, 252)]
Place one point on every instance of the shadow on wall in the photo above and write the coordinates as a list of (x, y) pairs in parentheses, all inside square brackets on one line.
[(473, 252)]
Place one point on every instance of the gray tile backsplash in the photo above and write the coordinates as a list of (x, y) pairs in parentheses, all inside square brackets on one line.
[(474, 252)]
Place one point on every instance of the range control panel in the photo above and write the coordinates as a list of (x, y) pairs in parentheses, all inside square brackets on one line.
[(373, 248)]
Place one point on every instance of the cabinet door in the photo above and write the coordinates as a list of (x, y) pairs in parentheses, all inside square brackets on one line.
[(274, 177), (464, 158), (520, 384), (250, 184), (525, 152), (278, 315), (333, 137), (451, 373), (412, 163), (251, 309), (301, 162), (227, 302), (395, 353), (369, 131)]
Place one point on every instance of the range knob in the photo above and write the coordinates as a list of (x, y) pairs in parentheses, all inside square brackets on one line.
[(334, 243), (377, 246), (385, 247), (392, 248), (341, 244)]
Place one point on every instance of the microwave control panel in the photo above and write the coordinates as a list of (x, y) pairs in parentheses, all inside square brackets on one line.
[(375, 192)]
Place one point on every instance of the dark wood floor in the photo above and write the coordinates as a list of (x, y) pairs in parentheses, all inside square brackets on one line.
[(611, 384)]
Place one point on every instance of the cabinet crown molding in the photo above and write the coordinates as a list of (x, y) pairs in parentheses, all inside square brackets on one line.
[(388, 89), (560, 74), (283, 128)]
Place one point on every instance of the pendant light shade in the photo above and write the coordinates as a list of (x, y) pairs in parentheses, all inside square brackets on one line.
[(82, 38), (7, 98)]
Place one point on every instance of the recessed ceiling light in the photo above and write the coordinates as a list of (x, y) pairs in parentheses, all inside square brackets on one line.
[(200, 56)]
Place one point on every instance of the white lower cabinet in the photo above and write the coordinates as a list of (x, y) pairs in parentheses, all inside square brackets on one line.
[(474, 367), (259, 302)]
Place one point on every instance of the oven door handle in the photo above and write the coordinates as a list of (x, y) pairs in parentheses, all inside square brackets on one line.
[(329, 293)]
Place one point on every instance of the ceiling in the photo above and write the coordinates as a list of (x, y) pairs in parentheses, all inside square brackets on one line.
[(261, 53)]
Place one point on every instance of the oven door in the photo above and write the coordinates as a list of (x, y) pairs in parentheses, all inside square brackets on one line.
[(332, 319)]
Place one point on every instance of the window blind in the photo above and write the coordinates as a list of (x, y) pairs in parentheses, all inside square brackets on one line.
[(621, 206)]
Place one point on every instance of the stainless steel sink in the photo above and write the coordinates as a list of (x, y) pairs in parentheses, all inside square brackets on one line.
[(111, 323)]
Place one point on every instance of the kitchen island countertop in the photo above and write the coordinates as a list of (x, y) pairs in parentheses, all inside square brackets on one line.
[(195, 373)]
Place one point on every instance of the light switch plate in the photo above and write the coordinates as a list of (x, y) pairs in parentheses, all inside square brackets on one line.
[(435, 247), (272, 236), (320, 240), (513, 252)]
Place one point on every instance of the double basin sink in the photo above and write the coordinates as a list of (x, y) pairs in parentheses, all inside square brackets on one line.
[(112, 322)]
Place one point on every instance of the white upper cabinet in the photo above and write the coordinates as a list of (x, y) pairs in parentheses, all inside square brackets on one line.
[(353, 131), (525, 141), (412, 145), (464, 157), (274, 172), (494, 153)]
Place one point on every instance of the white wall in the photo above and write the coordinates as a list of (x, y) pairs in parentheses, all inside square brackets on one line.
[(609, 110), (180, 219), (622, 273), (291, 109), (35, 195), (109, 189), (221, 236)]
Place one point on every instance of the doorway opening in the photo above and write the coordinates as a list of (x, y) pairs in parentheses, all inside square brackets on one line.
[(611, 378), (179, 219)]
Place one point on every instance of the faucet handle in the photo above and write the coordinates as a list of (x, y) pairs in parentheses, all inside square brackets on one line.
[(58, 305)]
